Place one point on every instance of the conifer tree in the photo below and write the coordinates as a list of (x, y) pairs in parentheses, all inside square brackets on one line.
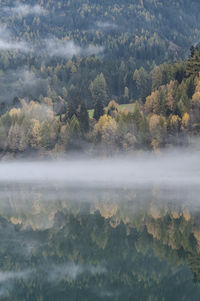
[(98, 110), (83, 117)]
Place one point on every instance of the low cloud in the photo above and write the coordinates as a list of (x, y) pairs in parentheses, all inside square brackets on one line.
[(21, 83), (93, 50), (173, 168), (68, 49), (24, 10), (9, 45), (7, 41), (106, 25), (51, 47)]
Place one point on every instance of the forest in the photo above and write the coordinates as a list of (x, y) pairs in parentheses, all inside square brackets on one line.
[(170, 115), (60, 59)]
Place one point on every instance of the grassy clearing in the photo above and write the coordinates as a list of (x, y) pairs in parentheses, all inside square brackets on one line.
[(129, 107)]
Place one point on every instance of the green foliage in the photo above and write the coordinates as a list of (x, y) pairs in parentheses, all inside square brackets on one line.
[(98, 89), (193, 63), (115, 39), (98, 109), (83, 117)]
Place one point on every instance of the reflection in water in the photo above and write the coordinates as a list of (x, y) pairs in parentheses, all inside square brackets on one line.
[(63, 242)]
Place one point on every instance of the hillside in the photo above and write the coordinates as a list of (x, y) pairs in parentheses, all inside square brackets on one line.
[(57, 49)]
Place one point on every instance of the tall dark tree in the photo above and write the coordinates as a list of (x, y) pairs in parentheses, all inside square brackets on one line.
[(71, 110), (98, 110), (16, 102), (83, 117), (2, 108), (193, 63), (73, 105)]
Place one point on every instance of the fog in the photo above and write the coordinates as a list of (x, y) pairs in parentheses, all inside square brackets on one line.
[(50, 47), (106, 25), (24, 9), (170, 179), (8, 42), (22, 83), (169, 169), (68, 48)]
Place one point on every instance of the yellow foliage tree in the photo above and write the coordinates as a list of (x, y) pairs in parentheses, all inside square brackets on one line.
[(175, 123), (113, 108), (106, 129), (185, 122), (152, 103), (158, 128), (34, 134)]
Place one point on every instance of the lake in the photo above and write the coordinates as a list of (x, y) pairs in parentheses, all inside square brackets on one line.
[(116, 230)]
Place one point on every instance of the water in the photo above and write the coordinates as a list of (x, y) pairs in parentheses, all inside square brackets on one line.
[(63, 241)]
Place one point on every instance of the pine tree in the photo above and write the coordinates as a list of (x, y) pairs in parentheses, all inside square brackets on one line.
[(98, 110), (193, 63), (71, 110), (98, 89), (83, 117)]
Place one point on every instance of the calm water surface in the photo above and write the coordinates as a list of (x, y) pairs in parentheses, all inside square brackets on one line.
[(78, 243), (109, 230)]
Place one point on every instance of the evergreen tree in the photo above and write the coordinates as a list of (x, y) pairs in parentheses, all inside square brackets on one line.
[(83, 117), (71, 110), (98, 109), (193, 63), (2, 108), (75, 133), (98, 89), (16, 102)]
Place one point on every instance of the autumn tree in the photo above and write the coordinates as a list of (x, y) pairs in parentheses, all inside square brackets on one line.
[(113, 108), (158, 128), (105, 130)]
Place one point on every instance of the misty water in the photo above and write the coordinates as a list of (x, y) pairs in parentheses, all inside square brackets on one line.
[(109, 229)]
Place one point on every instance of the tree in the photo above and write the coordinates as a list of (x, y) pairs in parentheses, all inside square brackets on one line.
[(74, 133), (2, 108), (137, 115), (35, 136), (98, 89), (60, 107), (174, 124), (193, 63), (64, 135), (106, 129), (16, 102), (157, 127), (98, 110), (196, 107), (45, 133), (14, 137), (3, 136), (143, 83), (152, 102), (113, 108), (71, 110), (83, 117), (185, 122)]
